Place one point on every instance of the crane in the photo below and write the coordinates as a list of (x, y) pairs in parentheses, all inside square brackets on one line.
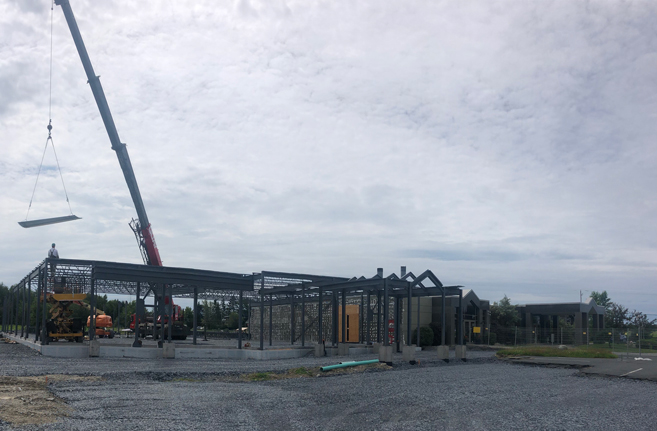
[(141, 226)]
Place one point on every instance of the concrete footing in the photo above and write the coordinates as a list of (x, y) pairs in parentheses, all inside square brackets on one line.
[(169, 351), (97, 348), (343, 349), (443, 353), (408, 353), (376, 347), (319, 350), (460, 353), (94, 348), (385, 354)]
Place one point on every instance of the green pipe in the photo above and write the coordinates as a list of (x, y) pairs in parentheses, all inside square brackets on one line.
[(349, 364)]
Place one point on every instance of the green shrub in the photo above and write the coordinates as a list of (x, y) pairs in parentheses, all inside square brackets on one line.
[(426, 336), (437, 333), (493, 338)]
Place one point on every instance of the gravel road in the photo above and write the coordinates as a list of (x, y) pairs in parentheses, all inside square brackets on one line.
[(481, 394)]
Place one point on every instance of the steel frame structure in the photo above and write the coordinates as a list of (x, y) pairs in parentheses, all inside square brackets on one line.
[(74, 278), (264, 289), (278, 288)]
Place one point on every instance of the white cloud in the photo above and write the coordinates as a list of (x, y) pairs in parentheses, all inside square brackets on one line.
[(508, 146)]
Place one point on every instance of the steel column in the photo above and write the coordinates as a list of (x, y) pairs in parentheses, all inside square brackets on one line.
[(378, 316), (136, 343), (408, 317), (18, 305), (292, 322), (369, 318), (418, 321), (262, 310), (29, 308), (195, 312), (23, 295), (460, 327), (92, 328), (344, 315), (320, 333), (443, 320), (239, 322), (160, 342), (396, 324), (42, 299), (334, 321), (171, 313), (386, 314), (303, 314), (271, 319), (361, 329)]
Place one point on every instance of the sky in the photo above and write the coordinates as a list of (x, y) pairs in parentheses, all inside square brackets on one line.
[(508, 146)]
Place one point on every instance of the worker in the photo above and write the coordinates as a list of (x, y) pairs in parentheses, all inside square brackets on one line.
[(53, 254)]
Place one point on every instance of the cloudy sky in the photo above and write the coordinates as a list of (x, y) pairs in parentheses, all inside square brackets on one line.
[(508, 146)]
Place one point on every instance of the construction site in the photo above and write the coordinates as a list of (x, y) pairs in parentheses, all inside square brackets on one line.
[(381, 349), (327, 315)]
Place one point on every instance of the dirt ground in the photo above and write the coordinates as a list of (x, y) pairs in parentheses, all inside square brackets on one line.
[(28, 400)]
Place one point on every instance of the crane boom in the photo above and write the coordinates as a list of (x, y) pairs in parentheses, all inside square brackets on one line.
[(120, 148)]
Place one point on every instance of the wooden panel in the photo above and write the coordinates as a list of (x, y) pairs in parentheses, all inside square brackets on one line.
[(353, 321)]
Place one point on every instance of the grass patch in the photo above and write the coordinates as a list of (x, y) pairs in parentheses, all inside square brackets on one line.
[(260, 377), (622, 348), (556, 352), (186, 380), (301, 371)]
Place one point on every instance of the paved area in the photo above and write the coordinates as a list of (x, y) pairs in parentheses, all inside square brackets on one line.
[(631, 367), (481, 394)]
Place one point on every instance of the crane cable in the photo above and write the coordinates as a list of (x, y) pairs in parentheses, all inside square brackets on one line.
[(49, 139)]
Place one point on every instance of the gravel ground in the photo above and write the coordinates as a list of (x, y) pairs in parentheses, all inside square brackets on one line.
[(481, 394)]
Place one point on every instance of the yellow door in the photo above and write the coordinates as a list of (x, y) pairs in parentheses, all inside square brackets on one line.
[(353, 319)]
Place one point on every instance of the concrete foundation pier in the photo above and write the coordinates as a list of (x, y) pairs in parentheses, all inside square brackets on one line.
[(343, 349), (460, 353), (385, 354), (94, 348), (408, 353), (319, 350), (443, 353), (169, 351)]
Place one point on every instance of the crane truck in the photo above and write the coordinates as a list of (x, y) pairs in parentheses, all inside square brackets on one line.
[(141, 226)]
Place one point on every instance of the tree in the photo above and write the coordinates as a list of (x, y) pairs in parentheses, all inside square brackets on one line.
[(504, 314), (616, 316), (189, 317), (639, 319), (601, 299), (232, 322)]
